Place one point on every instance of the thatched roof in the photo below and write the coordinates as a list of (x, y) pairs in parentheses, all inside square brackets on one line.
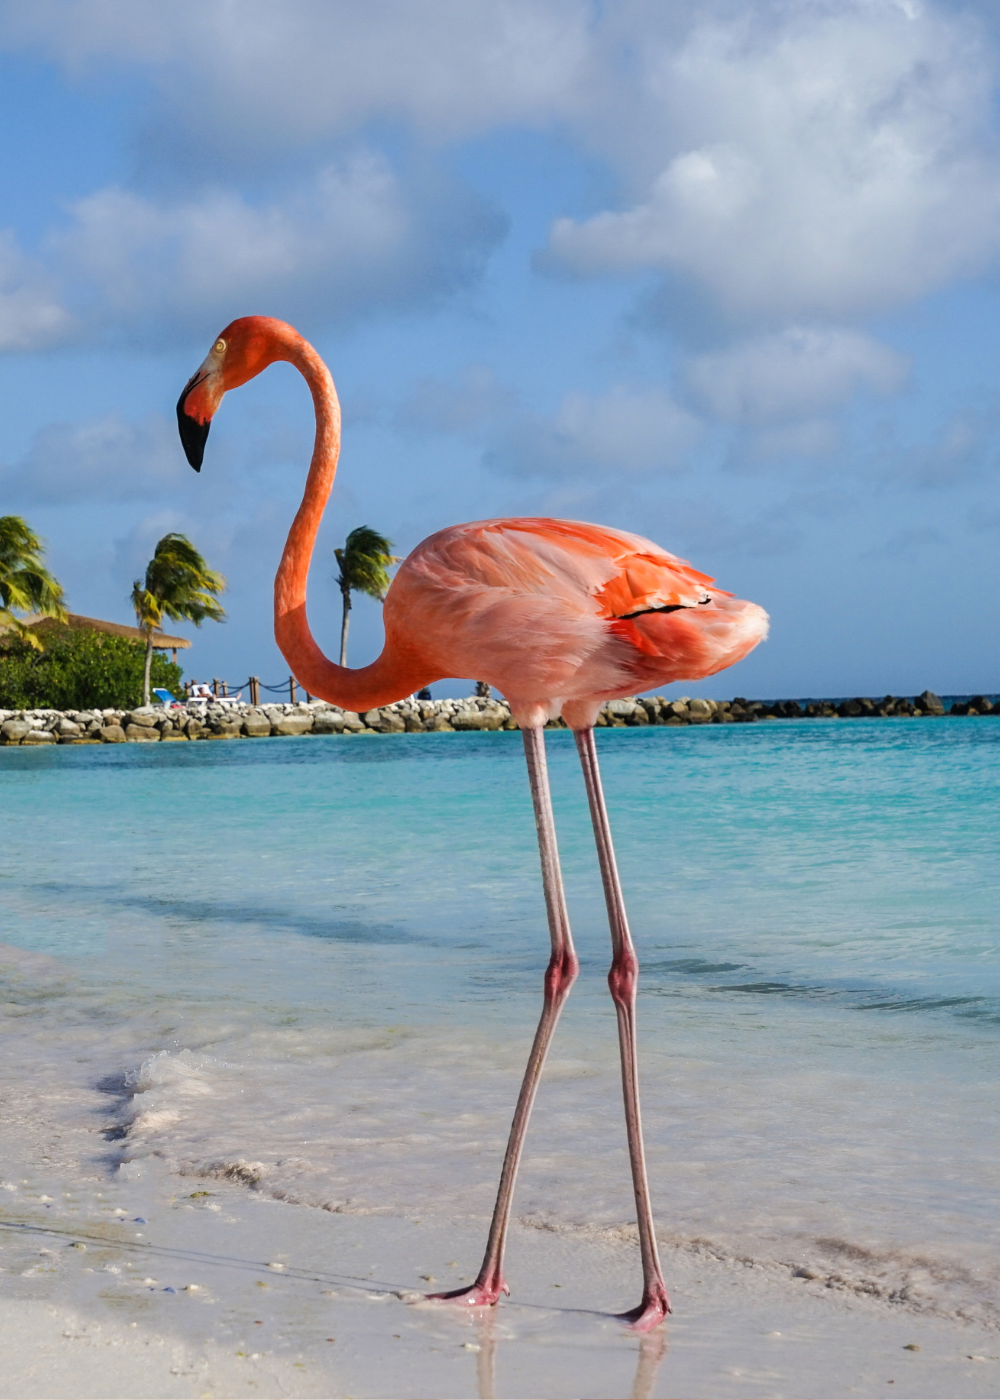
[(161, 640)]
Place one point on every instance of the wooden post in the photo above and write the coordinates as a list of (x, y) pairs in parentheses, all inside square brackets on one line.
[(175, 655), (309, 698), (254, 691), (215, 685), (291, 689)]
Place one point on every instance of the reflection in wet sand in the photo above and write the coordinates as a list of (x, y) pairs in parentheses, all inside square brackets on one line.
[(652, 1350), (486, 1360)]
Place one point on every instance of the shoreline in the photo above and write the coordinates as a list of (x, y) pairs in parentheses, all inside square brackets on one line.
[(240, 720), (226, 1293)]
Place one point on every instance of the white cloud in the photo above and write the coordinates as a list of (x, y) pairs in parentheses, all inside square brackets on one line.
[(623, 432), (267, 76), (31, 315), (813, 437), (350, 240), (795, 160), (800, 160), (964, 447), (476, 400), (799, 373), (105, 459)]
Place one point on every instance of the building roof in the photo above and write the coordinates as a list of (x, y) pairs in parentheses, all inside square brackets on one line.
[(161, 640)]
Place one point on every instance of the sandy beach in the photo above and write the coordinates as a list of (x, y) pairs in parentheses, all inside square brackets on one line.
[(224, 1294)]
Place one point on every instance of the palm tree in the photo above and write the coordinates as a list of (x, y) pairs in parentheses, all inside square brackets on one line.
[(179, 585), (364, 568), (25, 582)]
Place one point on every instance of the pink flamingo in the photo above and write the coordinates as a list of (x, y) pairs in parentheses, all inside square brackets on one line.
[(559, 616)]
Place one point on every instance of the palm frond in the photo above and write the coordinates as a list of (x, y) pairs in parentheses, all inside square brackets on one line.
[(364, 563), (179, 585), (25, 583)]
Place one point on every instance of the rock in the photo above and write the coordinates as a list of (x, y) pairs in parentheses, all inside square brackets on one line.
[(145, 719), (142, 734), (980, 705), (173, 735), (929, 703), (390, 723), (256, 725), (67, 726), (849, 709), (352, 723), (196, 730), (292, 724), (40, 736), (468, 719), (13, 731), (328, 722), (439, 725), (699, 711), (111, 734)]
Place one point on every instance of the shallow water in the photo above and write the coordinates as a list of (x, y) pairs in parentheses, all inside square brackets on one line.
[(315, 966)]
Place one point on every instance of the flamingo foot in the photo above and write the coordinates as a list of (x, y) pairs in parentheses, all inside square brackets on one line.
[(651, 1311), (484, 1293)]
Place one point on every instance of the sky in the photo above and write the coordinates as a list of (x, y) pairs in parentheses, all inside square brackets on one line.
[(724, 274)]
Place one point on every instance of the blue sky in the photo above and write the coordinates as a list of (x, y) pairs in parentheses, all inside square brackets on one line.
[(724, 274)]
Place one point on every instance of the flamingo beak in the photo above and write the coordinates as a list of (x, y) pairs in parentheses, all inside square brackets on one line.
[(193, 428)]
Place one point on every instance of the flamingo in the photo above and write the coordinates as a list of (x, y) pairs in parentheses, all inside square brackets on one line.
[(559, 616)]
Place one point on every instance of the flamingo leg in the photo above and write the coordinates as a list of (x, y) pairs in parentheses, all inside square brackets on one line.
[(623, 981), (559, 978)]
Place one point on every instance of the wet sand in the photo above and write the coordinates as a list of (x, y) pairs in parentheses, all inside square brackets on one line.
[(174, 1287)]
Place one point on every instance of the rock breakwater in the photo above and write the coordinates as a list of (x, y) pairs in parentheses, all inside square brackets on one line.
[(154, 724)]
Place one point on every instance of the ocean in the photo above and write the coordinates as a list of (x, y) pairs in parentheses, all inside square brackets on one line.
[(312, 967)]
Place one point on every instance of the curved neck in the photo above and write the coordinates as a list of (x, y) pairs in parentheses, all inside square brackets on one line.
[(384, 680)]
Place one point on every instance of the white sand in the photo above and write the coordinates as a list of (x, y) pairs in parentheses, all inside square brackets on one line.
[(100, 1321)]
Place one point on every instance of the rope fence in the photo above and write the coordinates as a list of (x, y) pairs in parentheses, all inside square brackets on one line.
[(221, 689)]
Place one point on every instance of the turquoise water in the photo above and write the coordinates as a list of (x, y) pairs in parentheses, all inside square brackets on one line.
[(317, 962)]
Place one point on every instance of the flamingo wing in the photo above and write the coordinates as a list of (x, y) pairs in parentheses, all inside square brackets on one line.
[(554, 608)]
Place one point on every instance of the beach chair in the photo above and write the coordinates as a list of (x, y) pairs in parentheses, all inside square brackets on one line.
[(169, 701), (202, 695)]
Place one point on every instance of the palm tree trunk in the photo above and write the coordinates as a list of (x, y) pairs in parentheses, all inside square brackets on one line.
[(343, 626), (149, 662)]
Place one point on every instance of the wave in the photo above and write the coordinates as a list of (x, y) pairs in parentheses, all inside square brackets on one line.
[(663, 978)]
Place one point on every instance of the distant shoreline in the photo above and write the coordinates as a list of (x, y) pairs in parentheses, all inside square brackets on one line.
[(236, 720)]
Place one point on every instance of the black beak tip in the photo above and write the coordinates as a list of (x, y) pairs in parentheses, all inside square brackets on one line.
[(194, 435)]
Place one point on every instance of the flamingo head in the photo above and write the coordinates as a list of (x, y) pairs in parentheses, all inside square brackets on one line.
[(244, 348)]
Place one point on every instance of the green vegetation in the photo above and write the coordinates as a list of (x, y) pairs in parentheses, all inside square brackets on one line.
[(364, 568), (25, 583), (179, 585), (78, 670)]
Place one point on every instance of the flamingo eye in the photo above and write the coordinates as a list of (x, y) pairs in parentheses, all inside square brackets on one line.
[(219, 347)]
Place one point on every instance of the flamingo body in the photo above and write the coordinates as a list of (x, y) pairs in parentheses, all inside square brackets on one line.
[(559, 616)]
